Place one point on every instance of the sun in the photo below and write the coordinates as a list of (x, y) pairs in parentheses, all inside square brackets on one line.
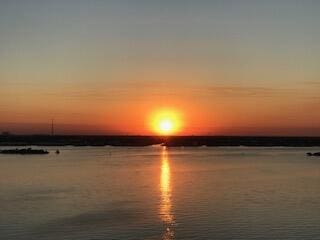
[(166, 125), (166, 122)]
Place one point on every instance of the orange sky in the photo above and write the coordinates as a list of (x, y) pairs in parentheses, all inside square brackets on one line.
[(204, 110), (238, 68)]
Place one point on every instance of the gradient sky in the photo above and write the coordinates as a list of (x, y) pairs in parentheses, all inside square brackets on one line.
[(229, 67)]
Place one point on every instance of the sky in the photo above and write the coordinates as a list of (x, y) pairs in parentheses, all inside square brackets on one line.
[(231, 67)]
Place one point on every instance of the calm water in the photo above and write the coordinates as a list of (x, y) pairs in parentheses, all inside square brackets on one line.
[(157, 193)]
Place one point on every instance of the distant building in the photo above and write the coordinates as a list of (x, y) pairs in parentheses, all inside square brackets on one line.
[(5, 133)]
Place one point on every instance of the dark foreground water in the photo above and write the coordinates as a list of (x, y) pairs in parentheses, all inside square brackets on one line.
[(158, 193)]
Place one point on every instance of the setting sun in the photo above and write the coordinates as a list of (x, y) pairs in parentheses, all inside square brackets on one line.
[(166, 126), (166, 122)]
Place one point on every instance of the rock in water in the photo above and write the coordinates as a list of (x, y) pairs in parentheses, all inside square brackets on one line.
[(24, 151), (317, 154)]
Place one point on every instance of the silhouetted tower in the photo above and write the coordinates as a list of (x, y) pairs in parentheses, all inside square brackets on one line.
[(52, 128)]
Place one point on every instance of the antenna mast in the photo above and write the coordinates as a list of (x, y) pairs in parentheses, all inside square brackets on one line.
[(52, 127)]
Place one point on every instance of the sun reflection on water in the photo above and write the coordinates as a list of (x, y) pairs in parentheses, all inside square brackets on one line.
[(165, 205)]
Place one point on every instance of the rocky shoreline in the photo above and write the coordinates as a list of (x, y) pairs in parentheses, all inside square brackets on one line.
[(24, 151)]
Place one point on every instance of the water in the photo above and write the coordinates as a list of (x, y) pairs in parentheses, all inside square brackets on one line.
[(157, 193)]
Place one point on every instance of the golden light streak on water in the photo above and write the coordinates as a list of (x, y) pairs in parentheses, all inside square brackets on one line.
[(166, 205)]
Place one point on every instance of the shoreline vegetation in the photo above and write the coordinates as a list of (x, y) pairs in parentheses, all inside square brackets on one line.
[(172, 141)]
